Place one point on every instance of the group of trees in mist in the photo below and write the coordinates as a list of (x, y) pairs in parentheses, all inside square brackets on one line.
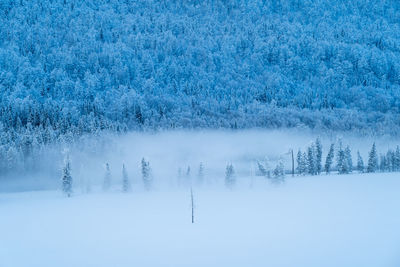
[(70, 67), (310, 162), (338, 159), (126, 185)]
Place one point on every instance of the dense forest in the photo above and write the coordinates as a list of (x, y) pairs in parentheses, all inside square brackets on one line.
[(73, 67)]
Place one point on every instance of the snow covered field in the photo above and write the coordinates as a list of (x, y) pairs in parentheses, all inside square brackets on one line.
[(336, 220)]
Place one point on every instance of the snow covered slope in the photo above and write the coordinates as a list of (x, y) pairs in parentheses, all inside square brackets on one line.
[(347, 220)]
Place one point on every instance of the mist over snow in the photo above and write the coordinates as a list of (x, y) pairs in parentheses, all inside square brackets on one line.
[(169, 151), (349, 220)]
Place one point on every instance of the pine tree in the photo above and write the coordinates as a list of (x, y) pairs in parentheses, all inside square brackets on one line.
[(304, 163), (390, 160), (261, 169), (230, 176), (299, 159), (67, 178), (107, 178), (349, 160), (360, 163), (146, 175), (372, 159), (329, 159), (311, 166), (318, 156), (126, 185), (341, 160), (397, 159), (382, 165), (279, 171)]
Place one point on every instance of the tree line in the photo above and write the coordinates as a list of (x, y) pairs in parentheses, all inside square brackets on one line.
[(310, 161), (75, 67)]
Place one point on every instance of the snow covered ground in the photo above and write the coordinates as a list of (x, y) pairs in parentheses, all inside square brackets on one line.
[(348, 220)]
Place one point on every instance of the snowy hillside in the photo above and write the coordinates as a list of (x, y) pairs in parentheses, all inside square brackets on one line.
[(71, 67)]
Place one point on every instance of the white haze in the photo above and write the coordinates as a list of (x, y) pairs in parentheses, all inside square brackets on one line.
[(170, 150), (327, 220)]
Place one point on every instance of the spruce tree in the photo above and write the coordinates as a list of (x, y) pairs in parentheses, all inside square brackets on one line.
[(397, 159), (372, 159), (341, 160), (349, 160), (299, 159), (230, 176), (360, 163), (382, 163), (67, 178), (279, 171), (318, 156), (107, 178), (304, 163), (146, 175), (261, 169), (126, 185), (329, 159), (311, 168), (390, 160)]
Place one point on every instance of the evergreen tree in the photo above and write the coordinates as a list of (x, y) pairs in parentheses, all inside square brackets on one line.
[(311, 161), (300, 167), (329, 159), (397, 159), (390, 160), (107, 178), (349, 160), (372, 159), (341, 160), (126, 185), (304, 163), (67, 178), (261, 169), (279, 171), (146, 175), (382, 163), (360, 163), (230, 176), (318, 156)]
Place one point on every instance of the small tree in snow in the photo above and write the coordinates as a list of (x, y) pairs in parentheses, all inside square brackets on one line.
[(329, 159), (341, 160), (349, 160), (261, 169), (318, 156), (67, 178), (301, 163), (279, 171), (311, 161), (230, 176), (397, 159), (372, 159), (107, 178), (360, 163), (126, 184), (146, 175)]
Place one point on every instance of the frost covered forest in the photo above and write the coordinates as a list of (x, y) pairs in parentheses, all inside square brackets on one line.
[(70, 68)]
